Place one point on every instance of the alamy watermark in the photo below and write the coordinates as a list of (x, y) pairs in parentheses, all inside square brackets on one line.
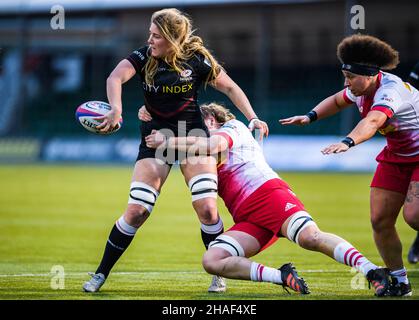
[(58, 20), (358, 20), (358, 281), (57, 277)]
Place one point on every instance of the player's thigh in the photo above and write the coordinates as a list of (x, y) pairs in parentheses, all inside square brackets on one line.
[(148, 177), (151, 172), (234, 243), (193, 166), (200, 175), (385, 206)]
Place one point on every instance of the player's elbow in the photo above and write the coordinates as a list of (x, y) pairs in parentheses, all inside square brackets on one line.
[(217, 144), (375, 120), (371, 126), (214, 150), (113, 79)]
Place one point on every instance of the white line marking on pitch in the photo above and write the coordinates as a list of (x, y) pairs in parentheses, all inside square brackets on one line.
[(155, 273)]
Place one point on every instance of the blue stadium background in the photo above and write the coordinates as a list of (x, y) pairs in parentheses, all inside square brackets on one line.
[(282, 53)]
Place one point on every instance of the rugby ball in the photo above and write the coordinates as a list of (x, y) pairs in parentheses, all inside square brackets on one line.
[(89, 110)]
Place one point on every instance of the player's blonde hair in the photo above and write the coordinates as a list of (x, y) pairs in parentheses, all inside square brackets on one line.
[(218, 111), (176, 28)]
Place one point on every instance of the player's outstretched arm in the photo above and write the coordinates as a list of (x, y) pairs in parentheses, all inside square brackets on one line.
[(364, 130), (324, 109), (191, 145), (226, 85), (121, 74)]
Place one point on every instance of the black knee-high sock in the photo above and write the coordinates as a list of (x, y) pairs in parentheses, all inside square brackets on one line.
[(115, 247), (211, 231), (415, 244)]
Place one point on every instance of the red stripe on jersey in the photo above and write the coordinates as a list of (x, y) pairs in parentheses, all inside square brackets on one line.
[(346, 98), (227, 136), (170, 114), (389, 113)]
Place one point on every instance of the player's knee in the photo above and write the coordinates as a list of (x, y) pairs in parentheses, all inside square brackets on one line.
[(203, 186), (300, 221), (310, 239), (381, 223), (142, 195), (211, 262), (208, 212), (411, 216), (136, 215)]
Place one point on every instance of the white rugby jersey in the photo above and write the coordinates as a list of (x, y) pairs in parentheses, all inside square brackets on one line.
[(244, 169), (400, 102)]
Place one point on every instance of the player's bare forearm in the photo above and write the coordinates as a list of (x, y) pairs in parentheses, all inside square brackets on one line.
[(121, 74), (226, 85), (114, 92), (368, 126), (185, 144), (200, 145), (239, 99), (331, 105)]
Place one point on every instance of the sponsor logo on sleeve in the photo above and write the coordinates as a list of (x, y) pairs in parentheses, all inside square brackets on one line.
[(139, 54), (385, 97)]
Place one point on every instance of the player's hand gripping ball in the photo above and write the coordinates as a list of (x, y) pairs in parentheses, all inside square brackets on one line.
[(88, 111)]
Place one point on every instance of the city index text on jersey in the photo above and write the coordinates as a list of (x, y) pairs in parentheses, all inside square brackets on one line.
[(168, 89), (177, 89)]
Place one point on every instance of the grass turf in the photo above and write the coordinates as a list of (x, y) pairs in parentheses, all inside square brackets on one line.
[(61, 216)]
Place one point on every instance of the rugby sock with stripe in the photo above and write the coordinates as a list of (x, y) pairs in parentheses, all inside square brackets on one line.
[(119, 239), (345, 253), (261, 273), (211, 231), (400, 275)]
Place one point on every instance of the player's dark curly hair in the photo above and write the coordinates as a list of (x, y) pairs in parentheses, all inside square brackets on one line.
[(367, 50)]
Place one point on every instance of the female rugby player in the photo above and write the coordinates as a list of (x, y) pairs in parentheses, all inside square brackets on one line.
[(390, 106)]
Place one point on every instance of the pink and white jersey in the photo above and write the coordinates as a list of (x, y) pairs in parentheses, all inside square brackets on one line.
[(244, 169), (400, 102)]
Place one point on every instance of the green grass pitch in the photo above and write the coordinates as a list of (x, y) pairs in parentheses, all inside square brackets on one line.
[(61, 216)]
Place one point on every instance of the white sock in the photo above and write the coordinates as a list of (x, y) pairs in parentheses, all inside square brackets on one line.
[(400, 275), (345, 253), (213, 228), (125, 228), (258, 272)]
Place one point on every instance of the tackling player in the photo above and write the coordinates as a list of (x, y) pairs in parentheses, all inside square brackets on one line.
[(390, 106), (263, 208)]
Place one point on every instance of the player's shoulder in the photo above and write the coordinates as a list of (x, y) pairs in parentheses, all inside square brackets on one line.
[(142, 53), (390, 81), (234, 124), (390, 85), (200, 59)]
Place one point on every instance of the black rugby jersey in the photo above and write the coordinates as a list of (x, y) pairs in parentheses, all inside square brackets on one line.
[(173, 96)]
